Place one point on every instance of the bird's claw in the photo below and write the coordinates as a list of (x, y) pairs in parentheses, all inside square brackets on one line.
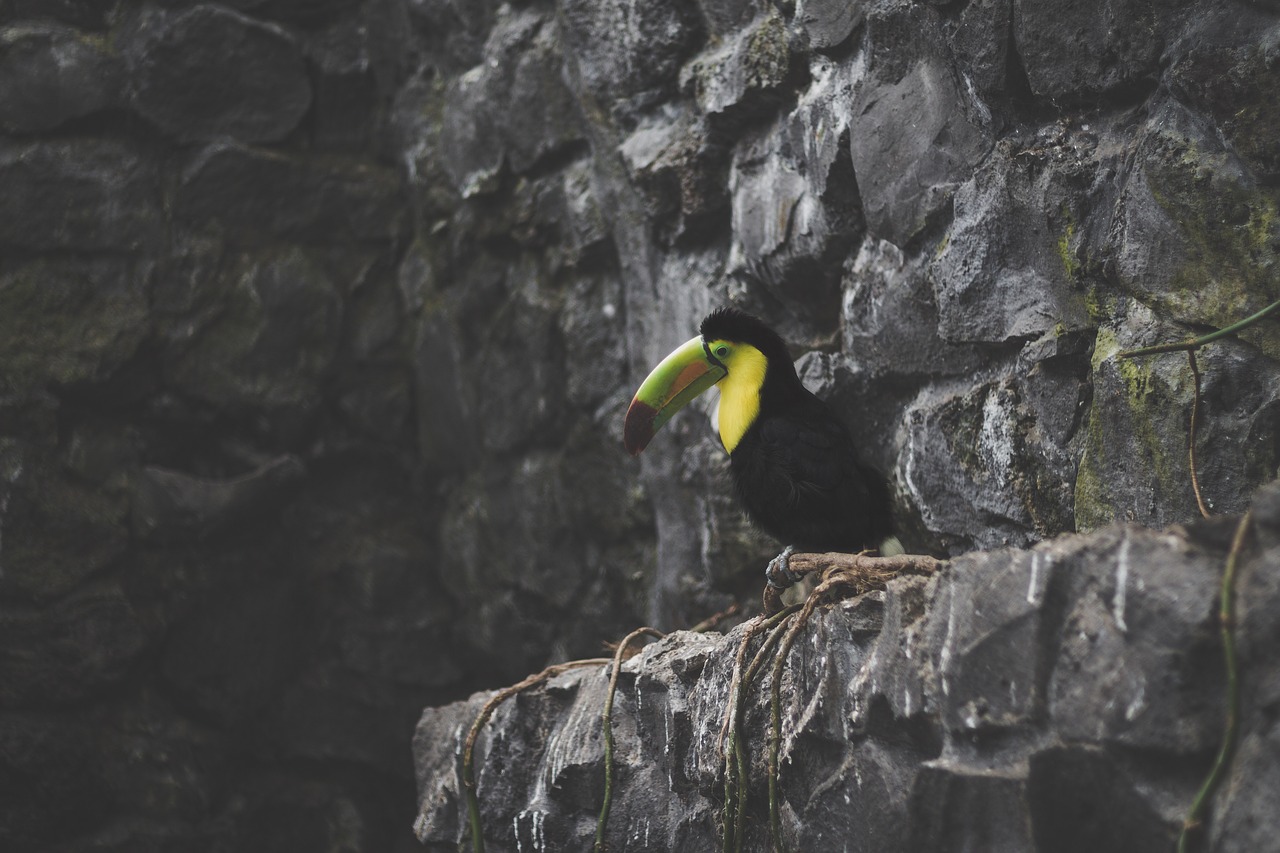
[(778, 573)]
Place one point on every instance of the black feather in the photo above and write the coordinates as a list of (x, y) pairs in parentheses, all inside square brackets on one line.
[(795, 469)]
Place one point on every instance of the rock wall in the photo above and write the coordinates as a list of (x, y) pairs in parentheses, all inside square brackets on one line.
[(1067, 697), (220, 609), (318, 319)]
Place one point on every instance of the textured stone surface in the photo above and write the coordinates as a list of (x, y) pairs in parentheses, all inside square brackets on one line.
[(318, 321), (628, 55), (992, 706), (255, 193), (66, 320), (84, 194), (207, 72), (916, 130), (50, 75), (513, 107), (1082, 48), (275, 340)]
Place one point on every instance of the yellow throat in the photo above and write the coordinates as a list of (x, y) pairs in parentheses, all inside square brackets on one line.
[(740, 393)]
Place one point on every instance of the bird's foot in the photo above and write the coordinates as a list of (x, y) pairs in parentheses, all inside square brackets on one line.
[(778, 573)]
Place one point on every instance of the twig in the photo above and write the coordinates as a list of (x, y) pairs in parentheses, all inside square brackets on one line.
[(1191, 439), (715, 619), (1226, 625), (757, 662), (729, 736), (1196, 343), (1190, 348), (837, 578), (735, 754), (618, 656), (468, 752), (728, 744), (863, 571)]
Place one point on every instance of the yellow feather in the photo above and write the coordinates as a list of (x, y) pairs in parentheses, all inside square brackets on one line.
[(740, 393)]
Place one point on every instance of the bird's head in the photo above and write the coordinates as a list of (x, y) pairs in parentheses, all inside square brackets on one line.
[(734, 350)]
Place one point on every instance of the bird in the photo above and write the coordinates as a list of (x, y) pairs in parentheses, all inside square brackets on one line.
[(795, 468)]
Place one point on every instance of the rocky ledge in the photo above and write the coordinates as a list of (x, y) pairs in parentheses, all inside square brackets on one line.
[(1062, 698)]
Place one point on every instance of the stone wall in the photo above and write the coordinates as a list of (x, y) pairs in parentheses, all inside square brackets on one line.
[(1063, 698), (318, 320), (220, 608)]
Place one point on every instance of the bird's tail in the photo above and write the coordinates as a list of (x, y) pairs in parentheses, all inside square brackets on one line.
[(892, 547)]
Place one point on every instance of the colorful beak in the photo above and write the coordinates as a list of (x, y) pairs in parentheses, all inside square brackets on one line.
[(680, 377)]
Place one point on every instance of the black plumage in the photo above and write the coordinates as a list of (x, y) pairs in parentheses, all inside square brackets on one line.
[(795, 468)]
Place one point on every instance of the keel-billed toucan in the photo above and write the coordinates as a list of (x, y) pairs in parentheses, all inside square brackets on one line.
[(793, 462)]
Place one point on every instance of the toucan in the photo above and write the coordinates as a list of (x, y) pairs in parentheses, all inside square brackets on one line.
[(794, 466)]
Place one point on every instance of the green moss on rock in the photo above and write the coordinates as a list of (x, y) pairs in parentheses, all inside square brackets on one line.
[(1230, 240), (67, 321), (1136, 431)]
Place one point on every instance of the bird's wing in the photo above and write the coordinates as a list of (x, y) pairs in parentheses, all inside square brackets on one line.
[(807, 458)]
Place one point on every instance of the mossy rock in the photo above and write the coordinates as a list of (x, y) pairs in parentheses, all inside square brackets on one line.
[(1222, 234), (67, 321)]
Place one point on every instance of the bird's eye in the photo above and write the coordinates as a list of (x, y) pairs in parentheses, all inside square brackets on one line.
[(722, 351)]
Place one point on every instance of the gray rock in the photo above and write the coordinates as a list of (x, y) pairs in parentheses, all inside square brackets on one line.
[(60, 753), (68, 320), (1240, 810), (273, 343), (917, 130), (443, 436), (172, 505), (625, 55), (345, 92), (255, 194), (1193, 241), (888, 299), (982, 44), (1005, 270), (960, 445), (740, 76), (79, 647), (83, 194), (304, 12), (827, 23), (679, 169), (90, 14), (59, 527), (157, 763), (795, 203), (50, 75), (208, 72), (513, 108), (564, 210), (1134, 463), (417, 119), (235, 649), (452, 33), (519, 367), (995, 703), (593, 333), (1013, 442), (726, 16), (1227, 74), (576, 486), (1089, 48)]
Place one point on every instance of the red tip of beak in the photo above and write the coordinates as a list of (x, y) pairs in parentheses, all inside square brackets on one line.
[(637, 429)]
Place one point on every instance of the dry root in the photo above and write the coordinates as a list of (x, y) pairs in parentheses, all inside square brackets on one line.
[(858, 573)]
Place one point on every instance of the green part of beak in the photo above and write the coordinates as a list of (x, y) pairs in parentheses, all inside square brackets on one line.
[(680, 377)]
